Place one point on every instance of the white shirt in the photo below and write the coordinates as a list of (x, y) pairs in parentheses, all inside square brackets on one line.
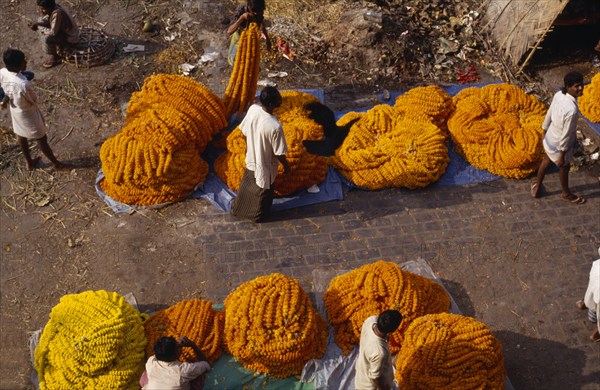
[(592, 295), (27, 118), (374, 359), (172, 375), (264, 141), (560, 123)]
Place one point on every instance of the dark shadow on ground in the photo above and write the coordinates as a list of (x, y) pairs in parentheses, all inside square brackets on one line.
[(461, 297), (543, 364)]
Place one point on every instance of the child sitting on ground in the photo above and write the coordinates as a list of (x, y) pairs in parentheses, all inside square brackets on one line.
[(165, 372), (27, 119)]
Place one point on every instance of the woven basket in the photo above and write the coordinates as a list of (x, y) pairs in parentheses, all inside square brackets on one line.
[(94, 48)]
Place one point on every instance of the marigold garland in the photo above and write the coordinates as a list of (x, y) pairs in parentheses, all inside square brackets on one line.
[(306, 169), (241, 89), (449, 351), (353, 297), (589, 102), (392, 147), (498, 128), (195, 319), (93, 340), (426, 104), (154, 159), (271, 326)]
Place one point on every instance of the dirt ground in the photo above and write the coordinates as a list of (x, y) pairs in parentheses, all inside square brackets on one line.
[(58, 237)]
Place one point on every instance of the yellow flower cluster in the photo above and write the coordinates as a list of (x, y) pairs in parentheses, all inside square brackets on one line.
[(93, 340), (427, 104), (306, 169), (399, 146), (353, 297), (195, 319), (241, 89), (271, 326), (155, 157), (449, 351), (498, 128), (589, 103)]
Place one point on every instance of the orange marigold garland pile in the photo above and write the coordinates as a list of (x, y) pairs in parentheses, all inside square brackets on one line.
[(449, 351), (390, 148), (271, 326), (195, 319), (306, 169), (498, 128), (154, 159), (353, 297), (241, 89), (425, 104), (589, 103)]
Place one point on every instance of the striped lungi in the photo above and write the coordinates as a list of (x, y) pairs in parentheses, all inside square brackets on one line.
[(252, 202)]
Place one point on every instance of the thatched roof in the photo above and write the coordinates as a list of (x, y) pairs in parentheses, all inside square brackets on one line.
[(519, 26)]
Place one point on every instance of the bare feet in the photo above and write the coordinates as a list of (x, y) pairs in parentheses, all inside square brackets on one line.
[(580, 305), (33, 164), (595, 337)]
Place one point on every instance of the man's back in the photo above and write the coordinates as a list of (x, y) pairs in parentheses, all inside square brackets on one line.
[(374, 359)]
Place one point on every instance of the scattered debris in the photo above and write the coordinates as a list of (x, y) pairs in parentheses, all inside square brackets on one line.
[(131, 48)]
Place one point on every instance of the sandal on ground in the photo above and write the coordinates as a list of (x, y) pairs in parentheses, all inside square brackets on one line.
[(580, 305), (535, 190), (595, 337), (574, 199)]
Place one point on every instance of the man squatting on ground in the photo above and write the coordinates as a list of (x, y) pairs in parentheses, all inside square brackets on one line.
[(560, 136), (265, 149), (374, 369), (58, 29), (165, 372), (27, 118)]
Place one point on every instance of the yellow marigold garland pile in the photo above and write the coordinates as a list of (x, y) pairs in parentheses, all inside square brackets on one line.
[(389, 148), (195, 319), (242, 85), (353, 297), (306, 169), (425, 104), (449, 351), (589, 103), (498, 128), (271, 326), (93, 340), (154, 159)]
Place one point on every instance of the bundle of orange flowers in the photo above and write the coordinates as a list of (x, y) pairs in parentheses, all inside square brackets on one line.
[(389, 147), (154, 159), (271, 326), (194, 319), (498, 128), (306, 169), (589, 103), (426, 104), (353, 297), (449, 351), (243, 80), (93, 340)]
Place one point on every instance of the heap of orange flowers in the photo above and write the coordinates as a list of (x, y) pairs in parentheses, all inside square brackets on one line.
[(498, 128), (194, 319), (154, 159), (449, 351), (353, 297), (306, 169), (589, 102), (241, 89), (399, 146), (271, 326)]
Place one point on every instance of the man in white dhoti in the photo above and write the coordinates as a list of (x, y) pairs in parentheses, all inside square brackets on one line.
[(27, 119), (560, 131), (591, 299)]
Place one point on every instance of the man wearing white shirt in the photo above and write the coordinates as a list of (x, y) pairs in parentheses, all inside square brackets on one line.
[(560, 136), (265, 149)]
